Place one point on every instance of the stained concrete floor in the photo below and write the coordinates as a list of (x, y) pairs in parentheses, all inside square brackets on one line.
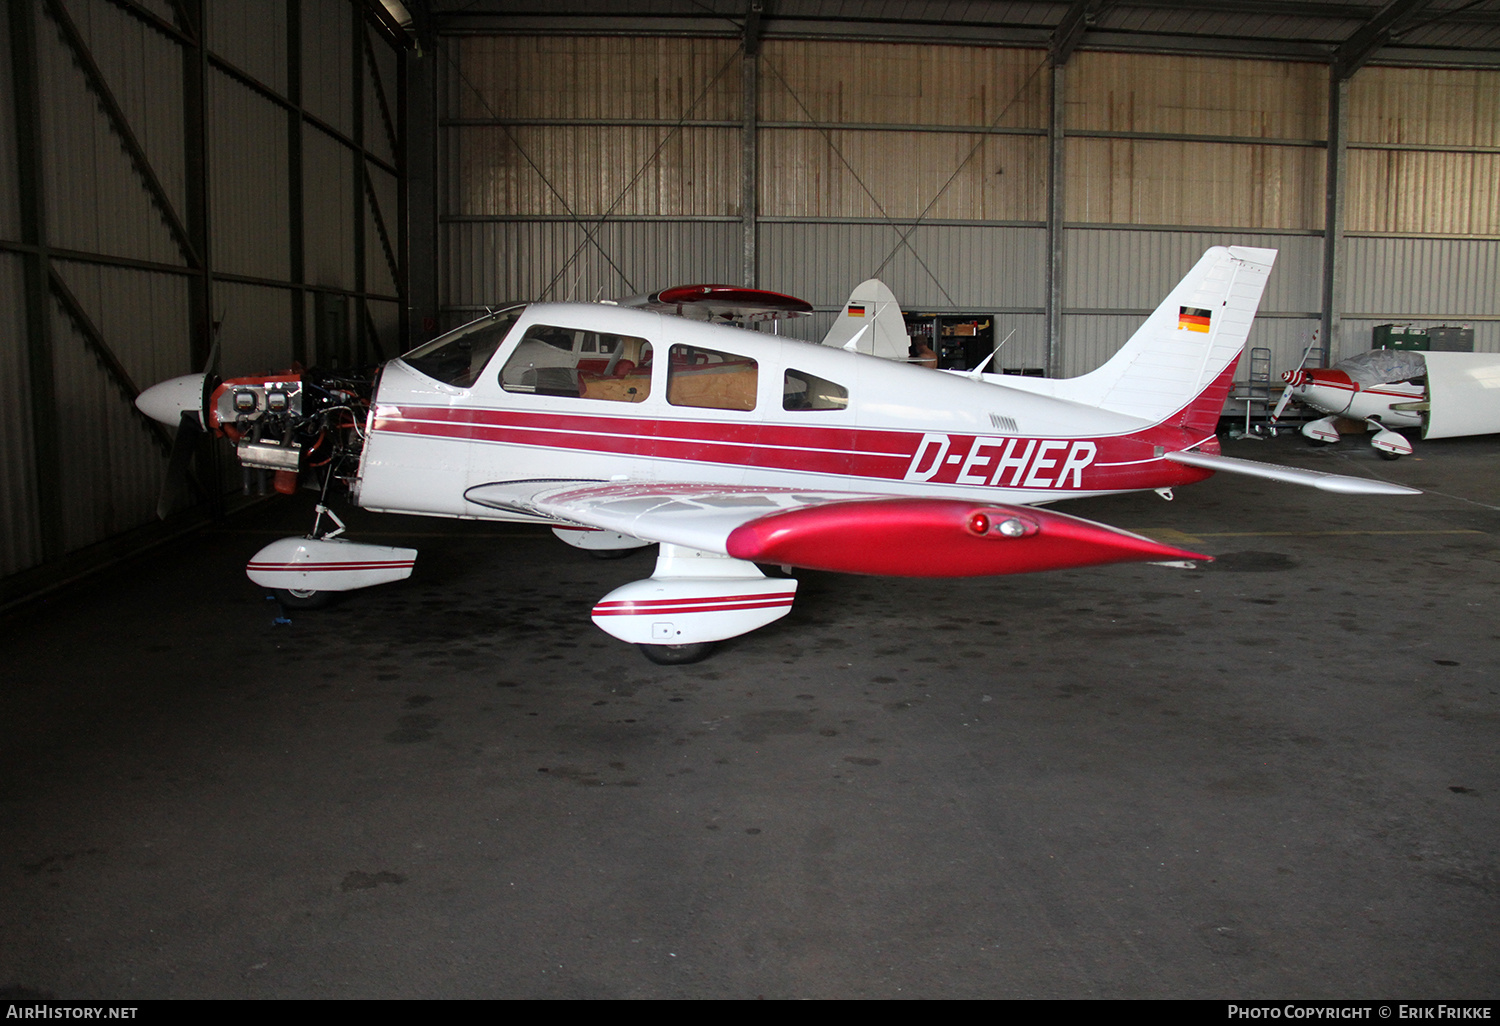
[(1275, 777)]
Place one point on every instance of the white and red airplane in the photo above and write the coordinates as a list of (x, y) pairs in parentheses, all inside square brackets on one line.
[(1444, 394), (625, 427)]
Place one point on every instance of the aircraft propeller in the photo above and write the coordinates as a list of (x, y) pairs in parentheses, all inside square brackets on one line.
[(188, 397), (1292, 381)]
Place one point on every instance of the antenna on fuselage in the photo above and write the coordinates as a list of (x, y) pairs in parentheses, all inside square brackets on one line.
[(974, 374), (853, 344)]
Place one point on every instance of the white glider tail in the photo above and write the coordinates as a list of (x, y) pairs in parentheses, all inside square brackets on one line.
[(870, 323)]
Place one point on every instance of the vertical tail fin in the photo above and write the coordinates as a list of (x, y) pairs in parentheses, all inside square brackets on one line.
[(871, 322), (1178, 366)]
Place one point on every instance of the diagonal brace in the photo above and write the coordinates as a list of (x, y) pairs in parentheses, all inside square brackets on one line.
[(121, 125)]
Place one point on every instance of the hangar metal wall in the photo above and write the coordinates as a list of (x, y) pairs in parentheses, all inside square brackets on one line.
[(165, 164), (585, 167)]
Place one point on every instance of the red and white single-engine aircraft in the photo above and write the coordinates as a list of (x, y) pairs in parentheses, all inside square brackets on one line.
[(1444, 394), (623, 427)]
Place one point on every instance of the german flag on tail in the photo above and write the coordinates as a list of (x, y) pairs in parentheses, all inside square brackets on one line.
[(1190, 318)]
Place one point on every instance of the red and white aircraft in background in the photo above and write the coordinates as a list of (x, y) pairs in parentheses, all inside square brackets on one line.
[(625, 427), (1444, 394)]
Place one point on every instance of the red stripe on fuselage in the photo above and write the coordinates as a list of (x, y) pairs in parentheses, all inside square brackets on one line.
[(1120, 462)]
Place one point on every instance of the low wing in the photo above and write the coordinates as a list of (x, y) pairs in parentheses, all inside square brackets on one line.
[(1341, 483), (845, 532)]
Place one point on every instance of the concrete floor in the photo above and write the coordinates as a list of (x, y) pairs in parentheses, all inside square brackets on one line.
[(1275, 777)]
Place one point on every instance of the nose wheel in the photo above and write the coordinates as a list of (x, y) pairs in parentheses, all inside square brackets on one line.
[(302, 598), (677, 655)]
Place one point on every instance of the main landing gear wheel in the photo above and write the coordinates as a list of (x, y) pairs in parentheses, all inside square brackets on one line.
[(610, 553), (1388, 455), (302, 598), (677, 655)]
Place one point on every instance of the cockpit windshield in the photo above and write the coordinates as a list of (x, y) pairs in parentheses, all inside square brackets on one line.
[(458, 357)]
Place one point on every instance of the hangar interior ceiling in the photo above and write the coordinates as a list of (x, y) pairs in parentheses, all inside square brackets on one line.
[(329, 185)]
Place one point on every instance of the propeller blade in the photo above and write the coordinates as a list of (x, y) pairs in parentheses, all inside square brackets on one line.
[(1286, 397), (211, 379), (177, 483)]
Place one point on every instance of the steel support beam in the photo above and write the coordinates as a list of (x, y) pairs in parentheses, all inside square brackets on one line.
[(361, 183), (750, 170), (1056, 176), (40, 374), (403, 268), (296, 186), (419, 184), (196, 219), (750, 143), (1357, 50), (1333, 216)]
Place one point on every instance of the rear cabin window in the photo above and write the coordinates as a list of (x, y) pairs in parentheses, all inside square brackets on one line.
[(803, 391), (709, 379), (552, 360)]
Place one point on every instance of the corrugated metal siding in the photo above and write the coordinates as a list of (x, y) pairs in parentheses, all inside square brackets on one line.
[(327, 63), (1439, 278), (144, 72), (981, 268), (591, 170), (1425, 106), (142, 315), (20, 535), (248, 181), (1134, 270), (255, 336), (328, 208), (509, 262), (380, 133), (884, 83), (380, 276), (1141, 181), (95, 202), (385, 321), (1196, 96), (110, 464), (251, 35), (1108, 269), (584, 77), (1422, 192), (804, 173)]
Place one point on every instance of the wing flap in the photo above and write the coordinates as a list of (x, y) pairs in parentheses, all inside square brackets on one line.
[(1341, 483)]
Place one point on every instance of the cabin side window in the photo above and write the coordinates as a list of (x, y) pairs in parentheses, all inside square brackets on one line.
[(803, 391), (709, 379), (552, 360)]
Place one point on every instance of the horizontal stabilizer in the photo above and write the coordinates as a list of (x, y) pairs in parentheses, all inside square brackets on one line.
[(1341, 483)]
